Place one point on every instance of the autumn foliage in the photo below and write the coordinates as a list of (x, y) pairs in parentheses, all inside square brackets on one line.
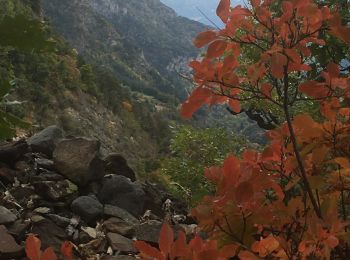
[(33, 250), (292, 200)]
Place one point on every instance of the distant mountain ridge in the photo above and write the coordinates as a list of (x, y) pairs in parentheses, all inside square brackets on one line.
[(140, 41)]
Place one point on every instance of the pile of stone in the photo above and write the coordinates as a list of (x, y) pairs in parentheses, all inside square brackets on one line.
[(61, 188)]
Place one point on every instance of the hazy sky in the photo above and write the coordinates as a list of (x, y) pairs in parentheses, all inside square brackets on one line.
[(190, 9)]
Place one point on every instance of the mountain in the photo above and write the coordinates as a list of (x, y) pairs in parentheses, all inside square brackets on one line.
[(203, 11), (140, 42)]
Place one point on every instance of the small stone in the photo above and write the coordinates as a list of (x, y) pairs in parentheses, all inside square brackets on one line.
[(55, 190), (88, 208), (36, 218), (116, 225), (6, 216), (9, 249), (115, 211), (45, 163), (42, 210), (120, 243), (59, 220), (18, 229), (148, 231)]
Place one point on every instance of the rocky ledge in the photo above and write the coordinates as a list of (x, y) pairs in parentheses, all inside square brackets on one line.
[(60, 188)]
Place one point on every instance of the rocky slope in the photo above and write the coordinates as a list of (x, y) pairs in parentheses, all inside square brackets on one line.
[(61, 188), (139, 41)]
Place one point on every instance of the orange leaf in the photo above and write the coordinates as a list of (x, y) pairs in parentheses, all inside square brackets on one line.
[(265, 246), (33, 245), (166, 238), (228, 251), (67, 250), (49, 254), (278, 61), (266, 89), (223, 10), (148, 250), (204, 38), (332, 241), (246, 255), (216, 49)]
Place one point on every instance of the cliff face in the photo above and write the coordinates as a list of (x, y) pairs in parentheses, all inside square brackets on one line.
[(139, 41)]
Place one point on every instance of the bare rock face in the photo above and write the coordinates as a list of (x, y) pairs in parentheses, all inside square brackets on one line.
[(78, 159), (46, 140)]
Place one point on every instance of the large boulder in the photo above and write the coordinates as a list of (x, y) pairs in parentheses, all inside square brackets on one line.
[(78, 159), (120, 191), (46, 140), (116, 164), (87, 207)]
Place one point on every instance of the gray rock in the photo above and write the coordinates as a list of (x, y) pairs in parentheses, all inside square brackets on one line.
[(120, 243), (148, 231), (59, 220), (46, 140), (88, 208), (50, 234), (120, 191), (116, 164), (78, 159), (56, 190), (9, 249), (18, 229), (116, 225), (114, 211), (6, 216), (12, 152), (45, 163)]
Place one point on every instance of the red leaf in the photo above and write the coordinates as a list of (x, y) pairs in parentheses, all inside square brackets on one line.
[(216, 49), (148, 250), (278, 61), (234, 105), (33, 245), (332, 241), (244, 192), (223, 10), (228, 251), (179, 247), (199, 97), (166, 239), (314, 89), (49, 254), (266, 89), (333, 70), (67, 250), (204, 38), (293, 55)]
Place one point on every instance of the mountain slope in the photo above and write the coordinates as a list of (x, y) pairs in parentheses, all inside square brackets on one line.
[(139, 41)]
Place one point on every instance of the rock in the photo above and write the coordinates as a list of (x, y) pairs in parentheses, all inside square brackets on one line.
[(18, 229), (120, 191), (7, 175), (45, 163), (56, 190), (12, 152), (78, 160), (59, 220), (148, 231), (115, 225), (120, 243), (50, 234), (47, 176), (88, 208), (46, 140), (42, 210), (9, 249), (6, 216), (120, 213), (116, 164)]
